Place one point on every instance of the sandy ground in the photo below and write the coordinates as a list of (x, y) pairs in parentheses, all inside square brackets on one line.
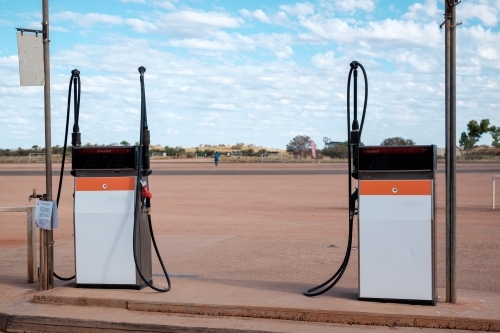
[(266, 227)]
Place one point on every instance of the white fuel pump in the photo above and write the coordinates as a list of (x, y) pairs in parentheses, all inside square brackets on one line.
[(112, 208), (396, 216)]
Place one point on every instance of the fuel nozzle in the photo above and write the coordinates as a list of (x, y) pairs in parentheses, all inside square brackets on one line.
[(146, 198), (145, 191)]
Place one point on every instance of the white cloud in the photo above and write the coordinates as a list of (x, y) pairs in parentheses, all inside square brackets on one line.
[(191, 23), (353, 5), (299, 9), (421, 61), (397, 33), (201, 19), (204, 124), (221, 41), (419, 11), (279, 18), (58, 28), (257, 14), (87, 20), (220, 106), (141, 26), (480, 49), (328, 61), (164, 4), (486, 11)]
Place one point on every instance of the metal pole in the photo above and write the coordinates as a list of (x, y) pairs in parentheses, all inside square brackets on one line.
[(47, 235), (450, 58)]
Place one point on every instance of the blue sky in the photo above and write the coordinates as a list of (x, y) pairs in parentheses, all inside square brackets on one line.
[(261, 72)]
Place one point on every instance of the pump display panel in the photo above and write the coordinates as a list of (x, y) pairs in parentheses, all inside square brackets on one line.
[(99, 158), (397, 158)]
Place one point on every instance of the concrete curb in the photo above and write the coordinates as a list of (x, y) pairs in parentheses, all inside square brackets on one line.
[(292, 314), (23, 323)]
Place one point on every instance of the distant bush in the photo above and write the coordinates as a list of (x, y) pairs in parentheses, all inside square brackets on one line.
[(339, 151)]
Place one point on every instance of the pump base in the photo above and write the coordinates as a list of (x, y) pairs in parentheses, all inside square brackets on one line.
[(403, 301), (113, 286)]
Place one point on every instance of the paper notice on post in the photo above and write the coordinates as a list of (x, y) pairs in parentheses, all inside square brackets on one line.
[(45, 212)]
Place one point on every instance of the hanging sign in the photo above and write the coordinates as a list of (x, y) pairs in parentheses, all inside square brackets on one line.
[(30, 51)]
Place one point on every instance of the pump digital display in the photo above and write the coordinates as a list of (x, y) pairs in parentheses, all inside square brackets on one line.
[(394, 158), (86, 158)]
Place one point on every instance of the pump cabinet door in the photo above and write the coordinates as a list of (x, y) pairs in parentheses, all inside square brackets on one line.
[(396, 239), (104, 220)]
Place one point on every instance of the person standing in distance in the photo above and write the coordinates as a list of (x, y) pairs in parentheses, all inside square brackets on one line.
[(216, 157)]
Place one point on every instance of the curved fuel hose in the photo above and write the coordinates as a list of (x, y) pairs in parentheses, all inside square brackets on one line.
[(143, 170), (353, 140), (75, 82)]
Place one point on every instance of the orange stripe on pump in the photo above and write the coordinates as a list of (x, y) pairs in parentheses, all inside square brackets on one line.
[(395, 187), (105, 184)]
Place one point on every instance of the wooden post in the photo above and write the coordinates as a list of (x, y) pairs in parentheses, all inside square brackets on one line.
[(493, 196), (31, 233)]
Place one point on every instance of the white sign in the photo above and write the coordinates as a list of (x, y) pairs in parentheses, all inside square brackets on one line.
[(45, 212), (30, 50)]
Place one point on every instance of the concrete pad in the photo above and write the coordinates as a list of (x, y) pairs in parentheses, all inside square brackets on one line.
[(31, 317), (284, 301)]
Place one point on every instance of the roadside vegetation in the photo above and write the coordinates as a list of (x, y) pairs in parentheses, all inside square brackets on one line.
[(297, 150)]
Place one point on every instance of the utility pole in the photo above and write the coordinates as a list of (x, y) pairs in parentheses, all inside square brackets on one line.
[(46, 236), (451, 139)]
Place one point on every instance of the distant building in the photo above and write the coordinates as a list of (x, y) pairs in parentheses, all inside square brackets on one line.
[(332, 144)]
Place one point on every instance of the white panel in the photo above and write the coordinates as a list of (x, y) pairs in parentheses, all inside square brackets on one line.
[(104, 201), (398, 207), (104, 223), (395, 247), (30, 50)]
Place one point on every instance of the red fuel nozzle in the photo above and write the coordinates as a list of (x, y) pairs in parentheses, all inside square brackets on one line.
[(145, 192)]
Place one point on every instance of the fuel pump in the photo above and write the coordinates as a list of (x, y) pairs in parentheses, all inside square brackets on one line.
[(396, 216), (112, 207)]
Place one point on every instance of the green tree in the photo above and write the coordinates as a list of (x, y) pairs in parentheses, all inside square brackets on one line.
[(397, 141), (125, 143), (474, 131), (495, 134), (299, 145)]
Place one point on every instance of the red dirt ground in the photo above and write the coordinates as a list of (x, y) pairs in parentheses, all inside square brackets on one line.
[(268, 227)]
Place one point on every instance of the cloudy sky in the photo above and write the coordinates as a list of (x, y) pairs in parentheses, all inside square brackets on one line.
[(261, 72)]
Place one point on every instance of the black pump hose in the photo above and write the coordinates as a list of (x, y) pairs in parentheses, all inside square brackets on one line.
[(145, 160), (75, 78), (353, 196)]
